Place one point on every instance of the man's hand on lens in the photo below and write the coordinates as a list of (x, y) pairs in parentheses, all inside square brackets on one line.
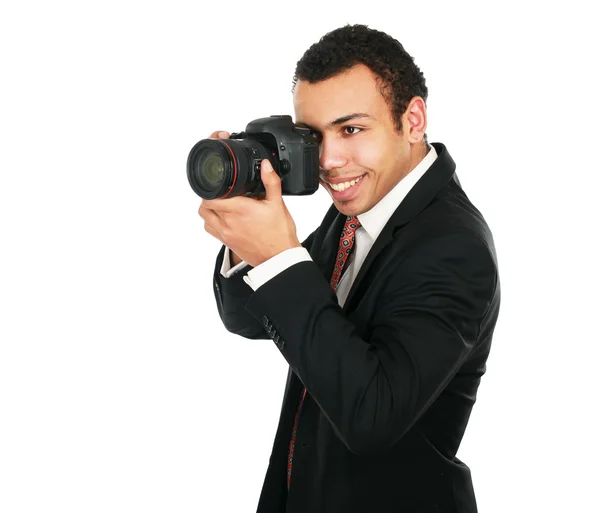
[(254, 228)]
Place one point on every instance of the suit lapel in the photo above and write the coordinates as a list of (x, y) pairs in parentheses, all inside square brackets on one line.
[(324, 249), (324, 253), (421, 195)]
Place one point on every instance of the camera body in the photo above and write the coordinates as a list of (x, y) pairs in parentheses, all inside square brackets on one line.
[(224, 168)]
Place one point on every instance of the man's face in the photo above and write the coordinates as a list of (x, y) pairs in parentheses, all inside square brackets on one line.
[(365, 147)]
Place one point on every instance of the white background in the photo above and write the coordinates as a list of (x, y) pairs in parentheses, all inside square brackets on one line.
[(120, 389)]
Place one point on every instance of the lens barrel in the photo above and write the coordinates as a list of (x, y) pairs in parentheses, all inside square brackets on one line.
[(223, 168)]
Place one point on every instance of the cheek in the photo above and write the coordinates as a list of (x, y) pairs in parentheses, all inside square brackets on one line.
[(368, 155)]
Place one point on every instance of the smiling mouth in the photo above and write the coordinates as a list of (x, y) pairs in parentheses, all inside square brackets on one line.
[(340, 187)]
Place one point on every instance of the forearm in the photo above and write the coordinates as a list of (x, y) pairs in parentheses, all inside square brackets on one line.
[(339, 368), (233, 292), (231, 295), (374, 382)]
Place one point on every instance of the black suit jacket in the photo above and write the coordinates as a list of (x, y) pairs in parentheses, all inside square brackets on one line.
[(392, 376)]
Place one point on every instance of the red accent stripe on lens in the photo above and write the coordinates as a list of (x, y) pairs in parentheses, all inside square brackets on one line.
[(234, 170)]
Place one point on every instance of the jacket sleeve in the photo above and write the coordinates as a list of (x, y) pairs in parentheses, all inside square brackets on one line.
[(424, 321), (233, 293)]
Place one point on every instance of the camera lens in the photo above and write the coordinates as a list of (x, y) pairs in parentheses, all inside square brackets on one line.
[(209, 170), (214, 169), (223, 168)]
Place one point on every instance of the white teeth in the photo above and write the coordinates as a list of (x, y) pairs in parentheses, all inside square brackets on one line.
[(343, 186)]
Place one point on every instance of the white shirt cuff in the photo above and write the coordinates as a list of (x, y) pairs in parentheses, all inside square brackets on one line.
[(262, 273), (226, 270)]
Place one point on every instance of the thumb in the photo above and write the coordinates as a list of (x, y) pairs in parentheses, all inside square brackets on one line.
[(270, 179)]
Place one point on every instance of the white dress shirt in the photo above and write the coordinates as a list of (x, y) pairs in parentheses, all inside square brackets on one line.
[(372, 223)]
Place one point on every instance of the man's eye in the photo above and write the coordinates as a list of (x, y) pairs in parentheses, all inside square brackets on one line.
[(354, 129)]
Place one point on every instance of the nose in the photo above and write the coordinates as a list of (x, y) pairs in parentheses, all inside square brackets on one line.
[(331, 154)]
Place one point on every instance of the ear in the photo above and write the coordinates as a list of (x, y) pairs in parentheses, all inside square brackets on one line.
[(415, 120)]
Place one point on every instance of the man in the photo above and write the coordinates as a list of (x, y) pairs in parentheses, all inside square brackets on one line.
[(385, 313)]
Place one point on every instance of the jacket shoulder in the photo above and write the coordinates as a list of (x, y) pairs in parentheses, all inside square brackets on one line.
[(450, 214)]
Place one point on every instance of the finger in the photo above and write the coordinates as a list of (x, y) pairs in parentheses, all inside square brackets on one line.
[(212, 222), (204, 206), (219, 206), (270, 180), (210, 216), (212, 231), (235, 205), (219, 134)]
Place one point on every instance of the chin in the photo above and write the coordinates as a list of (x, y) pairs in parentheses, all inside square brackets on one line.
[(352, 206), (348, 209)]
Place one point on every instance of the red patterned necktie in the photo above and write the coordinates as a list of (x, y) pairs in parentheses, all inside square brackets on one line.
[(345, 248)]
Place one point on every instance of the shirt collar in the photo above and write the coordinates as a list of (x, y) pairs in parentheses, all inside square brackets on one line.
[(375, 219)]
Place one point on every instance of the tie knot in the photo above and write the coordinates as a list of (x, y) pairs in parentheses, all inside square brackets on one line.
[(352, 224)]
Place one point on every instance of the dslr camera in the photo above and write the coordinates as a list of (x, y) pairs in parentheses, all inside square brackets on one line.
[(224, 168)]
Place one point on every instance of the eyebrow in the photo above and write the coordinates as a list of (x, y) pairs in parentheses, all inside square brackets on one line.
[(343, 119)]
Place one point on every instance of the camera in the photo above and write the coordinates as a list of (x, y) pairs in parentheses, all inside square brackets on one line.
[(224, 168)]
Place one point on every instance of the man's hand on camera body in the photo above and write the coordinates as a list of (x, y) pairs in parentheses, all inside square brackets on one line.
[(254, 228)]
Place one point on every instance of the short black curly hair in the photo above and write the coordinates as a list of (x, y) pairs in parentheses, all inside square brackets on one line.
[(339, 50)]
